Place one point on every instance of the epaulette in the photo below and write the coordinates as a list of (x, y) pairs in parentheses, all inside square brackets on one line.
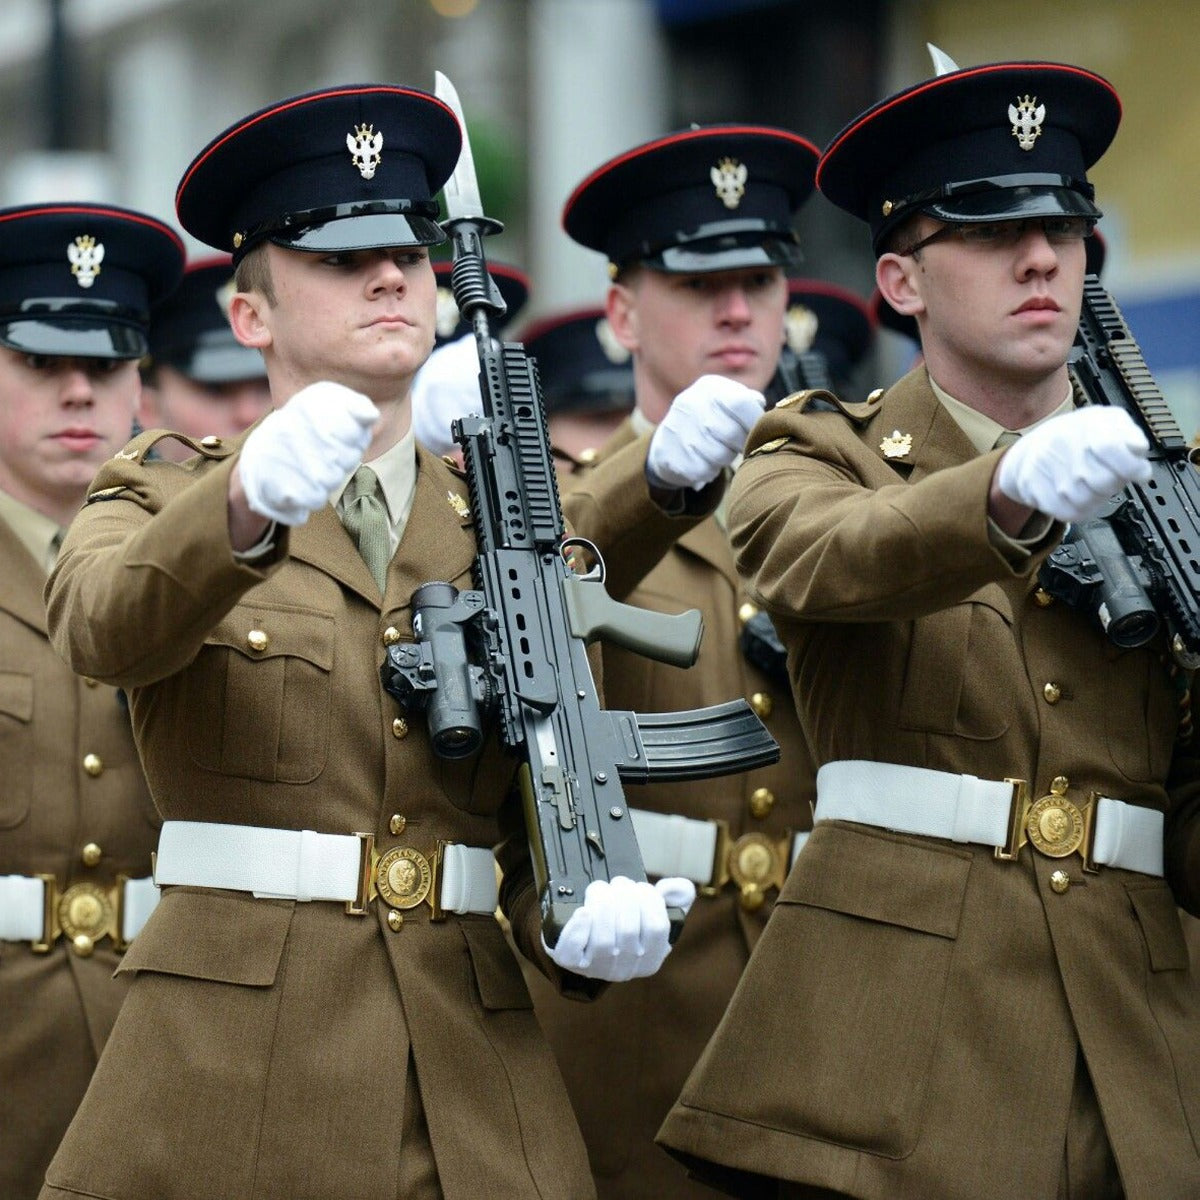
[(139, 447)]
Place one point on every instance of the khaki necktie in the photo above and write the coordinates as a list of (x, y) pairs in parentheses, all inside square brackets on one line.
[(1006, 439), (365, 517)]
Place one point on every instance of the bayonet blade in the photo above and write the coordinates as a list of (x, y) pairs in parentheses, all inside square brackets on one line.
[(461, 190)]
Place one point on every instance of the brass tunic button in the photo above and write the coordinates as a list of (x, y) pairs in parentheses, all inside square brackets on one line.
[(875, 396), (747, 611), (90, 682), (397, 824), (257, 640), (1052, 692), (83, 945), (1059, 882), (91, 854), (391, 635), (587, 456), (93, 764), (752, 897), (395, 920), (210, 441), (762, 800), (1042, 598), (762, 704), (400, 728)]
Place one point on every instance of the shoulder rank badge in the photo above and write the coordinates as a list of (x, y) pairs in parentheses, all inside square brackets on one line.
[(897, 445), (729, 179), (1026, 116), (85, 255), (365, 146)]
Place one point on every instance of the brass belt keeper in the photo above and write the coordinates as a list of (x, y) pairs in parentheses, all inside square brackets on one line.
[(366, 876), (50, 929), (1018, 809)]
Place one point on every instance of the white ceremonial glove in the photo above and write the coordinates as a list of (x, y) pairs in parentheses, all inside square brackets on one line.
[(704, 430), (1070, 466), (622, 931), (297, 459), (446, 387)]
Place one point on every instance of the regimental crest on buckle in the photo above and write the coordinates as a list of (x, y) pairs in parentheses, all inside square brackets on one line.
[(613, 350), (448, 316), (403, 877), (365, 146), (896, 445), (1026, 116), (800, 328), (85, 255), (729, 179)]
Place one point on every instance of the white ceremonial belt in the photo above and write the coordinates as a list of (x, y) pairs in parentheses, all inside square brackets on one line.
[(34, 909), (997, 813), (705, 852), (300, 864)]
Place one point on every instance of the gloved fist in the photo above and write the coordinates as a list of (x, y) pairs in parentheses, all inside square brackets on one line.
[(622, 931), (704, 430), (298, 457), (446, 387), (1070, 466)]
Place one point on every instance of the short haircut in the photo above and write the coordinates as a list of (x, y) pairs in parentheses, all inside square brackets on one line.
[(253, 274)]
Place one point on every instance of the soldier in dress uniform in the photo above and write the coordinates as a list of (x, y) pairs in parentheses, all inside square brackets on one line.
[(698, 229), (197, 378), (77, 825), (323, 1005), (587, 382), (974, 983)]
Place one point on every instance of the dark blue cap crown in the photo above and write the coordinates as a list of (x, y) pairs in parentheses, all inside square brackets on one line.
[(995, 142), (343, 168), (583, 368), (711, 198), (79, 279)]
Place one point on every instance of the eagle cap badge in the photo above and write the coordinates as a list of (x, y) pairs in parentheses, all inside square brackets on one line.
[(366, 147), (729, 180), (85, 255), (1026, 116)]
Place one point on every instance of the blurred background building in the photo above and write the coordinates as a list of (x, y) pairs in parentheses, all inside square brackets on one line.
[(110, 99)]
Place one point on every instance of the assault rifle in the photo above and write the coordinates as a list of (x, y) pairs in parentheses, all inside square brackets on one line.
[(515, 647), (1135, 567)]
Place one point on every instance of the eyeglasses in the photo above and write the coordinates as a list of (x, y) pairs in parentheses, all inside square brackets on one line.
[(1058, 231)]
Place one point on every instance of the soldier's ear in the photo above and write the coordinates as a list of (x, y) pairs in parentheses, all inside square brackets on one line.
[(620, 306), (246, 311), (898, 278)]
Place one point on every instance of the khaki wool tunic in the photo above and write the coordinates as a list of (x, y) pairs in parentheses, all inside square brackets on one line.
[(57, 1007), (909, 1023), (265, 1044), (625, 1056)]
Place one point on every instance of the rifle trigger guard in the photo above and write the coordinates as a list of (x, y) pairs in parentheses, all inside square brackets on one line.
[(595, 572)]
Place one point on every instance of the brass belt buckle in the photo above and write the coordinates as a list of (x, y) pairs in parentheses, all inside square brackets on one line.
[(85, 913), (1055, 825), (754, 862), (401, 877)]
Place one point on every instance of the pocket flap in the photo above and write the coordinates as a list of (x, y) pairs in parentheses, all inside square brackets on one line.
[(1161, 927), (16, 695), (497, 973), (212, 935), (261, 631), (881, 877)]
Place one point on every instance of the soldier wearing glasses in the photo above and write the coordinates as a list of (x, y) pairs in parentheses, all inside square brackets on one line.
[(956, 996)]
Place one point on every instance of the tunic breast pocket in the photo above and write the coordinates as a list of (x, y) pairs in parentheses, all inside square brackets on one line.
[(957, 663), (259, 692), (16, 747)]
